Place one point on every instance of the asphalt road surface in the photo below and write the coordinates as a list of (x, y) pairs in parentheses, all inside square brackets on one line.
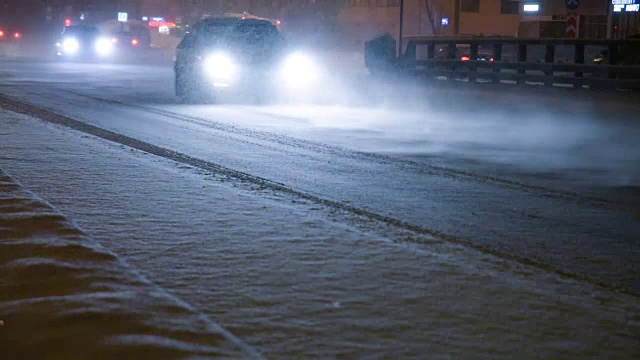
[(358, 220)]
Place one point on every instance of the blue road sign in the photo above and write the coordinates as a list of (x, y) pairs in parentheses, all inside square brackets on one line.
[(573, 4)]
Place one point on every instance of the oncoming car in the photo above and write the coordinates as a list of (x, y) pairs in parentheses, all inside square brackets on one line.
[(239, 55), (83, 42)]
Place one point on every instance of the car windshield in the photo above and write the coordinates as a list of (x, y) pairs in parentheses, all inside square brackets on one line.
[(234, 31), (80, 31)]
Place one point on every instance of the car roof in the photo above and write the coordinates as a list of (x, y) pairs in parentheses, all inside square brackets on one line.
[(232, 19)]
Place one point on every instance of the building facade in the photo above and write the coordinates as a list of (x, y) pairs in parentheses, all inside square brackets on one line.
[(354, 21), (360, 20)]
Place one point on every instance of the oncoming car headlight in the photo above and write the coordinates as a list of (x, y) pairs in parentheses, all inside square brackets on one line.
[(70, 46), (104, 46), (299, 71), (220, 67)]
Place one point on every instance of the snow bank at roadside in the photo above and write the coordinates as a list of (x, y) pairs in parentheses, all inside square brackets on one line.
[(63, 295)]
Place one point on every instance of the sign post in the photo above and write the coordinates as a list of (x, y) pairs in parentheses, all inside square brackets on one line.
[(572, 26), (573, 4), (625, 6), (123, 17), (572, 18)]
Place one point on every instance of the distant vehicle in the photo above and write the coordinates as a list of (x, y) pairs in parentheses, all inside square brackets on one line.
[(238, 54), (463, 53), (627, 54), (136, 38), (8, 35), (83, 42), (10, 41)]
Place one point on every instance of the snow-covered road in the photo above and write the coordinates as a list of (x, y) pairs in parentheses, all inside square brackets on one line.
[(485, 225)]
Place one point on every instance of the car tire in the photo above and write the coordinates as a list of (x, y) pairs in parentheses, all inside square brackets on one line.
[(183, 87), (262, 93), (188, 90), (180, 85), (261, 97)]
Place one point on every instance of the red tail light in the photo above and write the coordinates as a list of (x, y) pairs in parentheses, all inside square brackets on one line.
[(1, 33), (465, 58), (491, 59), (17, 35)]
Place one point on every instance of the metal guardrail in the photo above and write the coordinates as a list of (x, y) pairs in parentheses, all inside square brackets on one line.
[(485, 60)]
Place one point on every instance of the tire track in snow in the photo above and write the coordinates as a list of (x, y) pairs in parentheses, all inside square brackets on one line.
[(55, 118), (418, 166)]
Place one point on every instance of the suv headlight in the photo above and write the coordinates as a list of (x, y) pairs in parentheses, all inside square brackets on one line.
[(104, 46), (220, 67), (70, 46), (299, 71)]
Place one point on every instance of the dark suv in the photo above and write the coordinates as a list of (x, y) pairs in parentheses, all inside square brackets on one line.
[(240, 55)]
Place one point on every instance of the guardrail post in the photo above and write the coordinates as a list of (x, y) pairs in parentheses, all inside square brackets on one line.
[(522, 58), (473, 57), (432, 54), (497, 57), (578, 59), (451, 56), (411, 51), (548, 72), (549, 58), (613, 59)]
